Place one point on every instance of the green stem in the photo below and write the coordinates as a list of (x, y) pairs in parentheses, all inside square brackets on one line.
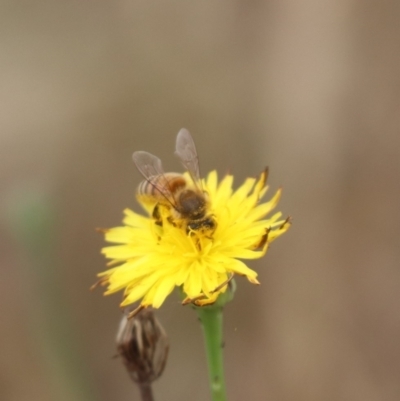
[(211, 320)]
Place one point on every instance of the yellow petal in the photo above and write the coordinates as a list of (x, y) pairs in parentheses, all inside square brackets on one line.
[(163, 289)]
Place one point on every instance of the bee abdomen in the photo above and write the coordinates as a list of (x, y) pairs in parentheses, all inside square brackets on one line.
[(168, 183)]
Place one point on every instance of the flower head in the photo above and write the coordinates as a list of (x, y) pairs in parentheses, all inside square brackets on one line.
[(152, 257)]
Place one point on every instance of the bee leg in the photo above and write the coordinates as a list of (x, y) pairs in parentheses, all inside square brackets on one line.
[(193, 235), (171, 221), (157, 215)]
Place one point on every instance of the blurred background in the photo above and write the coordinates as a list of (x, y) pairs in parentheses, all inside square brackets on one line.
[(310, 88)]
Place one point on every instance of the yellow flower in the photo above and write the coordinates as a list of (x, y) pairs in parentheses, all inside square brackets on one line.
[(152, 259)]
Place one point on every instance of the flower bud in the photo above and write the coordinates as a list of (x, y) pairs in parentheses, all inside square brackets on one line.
[(143, 345)]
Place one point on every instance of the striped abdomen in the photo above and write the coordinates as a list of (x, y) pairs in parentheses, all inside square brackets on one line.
[(161, 188)]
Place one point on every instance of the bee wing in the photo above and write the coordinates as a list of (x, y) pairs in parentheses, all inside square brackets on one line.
[(186, 151), (150, 167), (147, 164)]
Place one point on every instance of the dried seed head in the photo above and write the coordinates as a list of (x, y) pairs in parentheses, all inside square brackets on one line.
[(143, 345)]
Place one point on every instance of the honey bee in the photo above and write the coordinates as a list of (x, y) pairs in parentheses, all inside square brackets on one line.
[(186, 202)]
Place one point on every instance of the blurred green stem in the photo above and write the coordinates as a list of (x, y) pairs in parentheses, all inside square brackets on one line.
[(33, 219), (211, 321)]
